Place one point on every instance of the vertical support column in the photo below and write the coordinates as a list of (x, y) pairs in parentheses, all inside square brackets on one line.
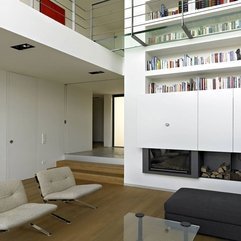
[(132, 17), (73, 15), (139, 227)]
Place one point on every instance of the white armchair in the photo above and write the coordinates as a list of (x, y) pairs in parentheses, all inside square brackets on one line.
[(58, 184), (15, 209)]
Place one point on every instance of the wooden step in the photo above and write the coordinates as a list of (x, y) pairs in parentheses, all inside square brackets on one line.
[(95, 172)]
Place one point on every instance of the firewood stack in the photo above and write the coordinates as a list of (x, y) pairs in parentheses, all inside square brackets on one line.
[(236, 175), (222, 172)]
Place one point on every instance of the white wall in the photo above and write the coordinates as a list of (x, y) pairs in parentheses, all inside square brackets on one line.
[(50, 123), (134, 86), (49, 120), (108, 120), (78, 135), (2, 125)]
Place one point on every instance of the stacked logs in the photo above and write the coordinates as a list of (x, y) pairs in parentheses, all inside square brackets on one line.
[(236, 175), (222, 172)]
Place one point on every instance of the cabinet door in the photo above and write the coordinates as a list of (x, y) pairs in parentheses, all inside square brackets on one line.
[(215, 120), (168, 121), (237, 121)]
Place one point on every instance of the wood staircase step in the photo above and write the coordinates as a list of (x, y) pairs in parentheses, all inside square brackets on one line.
[(95, 172)]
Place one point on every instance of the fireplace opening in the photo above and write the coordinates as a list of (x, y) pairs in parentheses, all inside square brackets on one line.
[(221, 165), (171, 162)]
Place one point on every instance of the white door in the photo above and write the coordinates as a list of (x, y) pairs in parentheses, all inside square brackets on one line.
[(21, 126), (168, 121), (215, 127), (78, 129), (237, 121)]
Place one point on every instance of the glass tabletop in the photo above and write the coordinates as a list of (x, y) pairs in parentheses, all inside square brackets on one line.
[(138, 228)]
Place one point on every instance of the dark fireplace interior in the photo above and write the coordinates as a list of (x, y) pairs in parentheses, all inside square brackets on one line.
[(170, 162)]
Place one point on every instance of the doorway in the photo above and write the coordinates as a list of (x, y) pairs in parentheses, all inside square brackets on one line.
[(118, 120), (98, 121)]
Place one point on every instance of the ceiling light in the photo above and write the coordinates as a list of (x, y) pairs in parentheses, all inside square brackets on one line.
[(22, 46), (97, 72)]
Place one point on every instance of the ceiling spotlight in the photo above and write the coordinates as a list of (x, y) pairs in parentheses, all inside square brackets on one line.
[(22, 46), (97, 72)]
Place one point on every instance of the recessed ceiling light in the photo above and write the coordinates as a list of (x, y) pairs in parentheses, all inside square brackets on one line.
[(22, 46), (97, 72)]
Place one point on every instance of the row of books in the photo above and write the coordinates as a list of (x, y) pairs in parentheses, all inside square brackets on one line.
[(218, 57), (209, 3), (200, 31), (164, 11), (216, 28), (198, 83), (199, 4)]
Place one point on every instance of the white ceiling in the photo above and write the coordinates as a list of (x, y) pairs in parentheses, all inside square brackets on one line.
[(46, 63)]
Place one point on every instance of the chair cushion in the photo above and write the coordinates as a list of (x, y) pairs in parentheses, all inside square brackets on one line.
[(73, 192), (24, 214), (12, 195), (55, 180)]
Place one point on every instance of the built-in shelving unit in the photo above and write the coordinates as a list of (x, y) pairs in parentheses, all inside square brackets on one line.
[(203, 72), (212, 53)]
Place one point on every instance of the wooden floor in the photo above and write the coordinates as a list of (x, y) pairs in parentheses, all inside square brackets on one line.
[(103, 224)]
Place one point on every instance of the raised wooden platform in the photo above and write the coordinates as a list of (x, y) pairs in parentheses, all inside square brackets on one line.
[(95, 172)]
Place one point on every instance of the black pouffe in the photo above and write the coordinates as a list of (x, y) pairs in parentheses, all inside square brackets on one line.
[(217, 213)]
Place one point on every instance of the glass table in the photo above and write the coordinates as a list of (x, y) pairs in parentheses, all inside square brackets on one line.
[(138, 227)]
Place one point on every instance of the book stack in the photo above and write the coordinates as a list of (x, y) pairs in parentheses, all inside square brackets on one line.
[(185, 6), (196, 84), (164, 11), (209, 3), (163, 88), (187, 60), (201, 83), (153, 64), (156, 37)]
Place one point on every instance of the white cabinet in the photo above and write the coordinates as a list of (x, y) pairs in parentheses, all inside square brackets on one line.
[(168, 121), (215, 120), (237, 121)]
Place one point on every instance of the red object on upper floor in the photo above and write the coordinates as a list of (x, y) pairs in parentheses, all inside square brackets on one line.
[(52, 10)]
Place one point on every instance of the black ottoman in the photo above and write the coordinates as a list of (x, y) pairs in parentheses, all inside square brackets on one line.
[(217, 213)]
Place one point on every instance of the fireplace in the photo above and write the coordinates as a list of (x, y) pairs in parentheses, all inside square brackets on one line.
[(171, 162), (186, 163)]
